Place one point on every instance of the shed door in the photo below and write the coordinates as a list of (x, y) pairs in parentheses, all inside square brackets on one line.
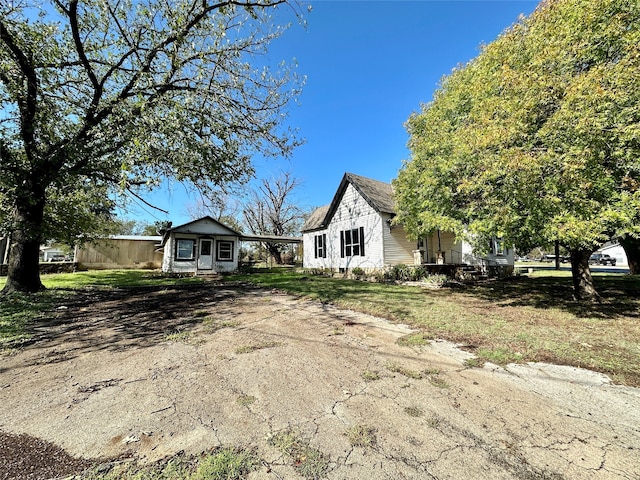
[(205, 254)]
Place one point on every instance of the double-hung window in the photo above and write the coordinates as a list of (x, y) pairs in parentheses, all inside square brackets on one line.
[(185, 249), (498, 246), (352, 242), (225, 251), (320, 246)]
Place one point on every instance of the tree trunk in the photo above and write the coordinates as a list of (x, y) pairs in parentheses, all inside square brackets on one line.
[(632, 249), (24, 255), (274, 251), (582, 280)]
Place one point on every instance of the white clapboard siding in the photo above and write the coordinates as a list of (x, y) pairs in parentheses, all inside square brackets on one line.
[(398, 249)]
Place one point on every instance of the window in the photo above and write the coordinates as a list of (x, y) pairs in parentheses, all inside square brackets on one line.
[(205, 248), (320, 246), (352, 242), (185, 249), (225, 251), (498, 246)]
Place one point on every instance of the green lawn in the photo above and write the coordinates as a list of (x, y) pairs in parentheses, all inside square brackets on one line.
[(18, 310), (528, 318), (523, 319)]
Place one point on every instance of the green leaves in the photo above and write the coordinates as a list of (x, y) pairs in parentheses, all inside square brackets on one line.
[(537, 138)]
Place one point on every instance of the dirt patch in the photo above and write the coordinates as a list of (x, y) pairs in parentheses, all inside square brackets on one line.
[(146, 373)]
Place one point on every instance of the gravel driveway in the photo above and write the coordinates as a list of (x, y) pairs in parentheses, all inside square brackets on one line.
[(146, 373)]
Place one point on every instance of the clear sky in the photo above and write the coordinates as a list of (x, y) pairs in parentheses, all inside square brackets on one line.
[(369, 65)]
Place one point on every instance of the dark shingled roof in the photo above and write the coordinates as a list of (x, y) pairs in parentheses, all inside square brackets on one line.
[(377, 194), (316, 219)]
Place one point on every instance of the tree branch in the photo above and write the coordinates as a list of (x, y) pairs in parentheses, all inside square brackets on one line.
[(28, 105)]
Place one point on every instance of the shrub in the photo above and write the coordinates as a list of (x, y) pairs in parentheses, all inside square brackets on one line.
[(436, 280), (357, 272)]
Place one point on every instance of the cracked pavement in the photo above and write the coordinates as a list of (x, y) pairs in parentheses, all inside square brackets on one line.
[(101, 389)]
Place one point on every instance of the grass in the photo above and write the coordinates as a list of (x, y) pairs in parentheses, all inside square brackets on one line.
[(223, 464), (524, 319), (361, 436), (179, 337), (529, 318), (214, 324), (407, 372), (18, 311), (413, 411), (370, 375), (246, 400), (414, 340), (308, 462)]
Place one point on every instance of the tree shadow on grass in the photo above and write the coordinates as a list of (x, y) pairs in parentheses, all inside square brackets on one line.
[(620, 295), (93, 319)]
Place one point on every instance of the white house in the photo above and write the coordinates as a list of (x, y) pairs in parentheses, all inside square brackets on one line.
[(355, 230), (615, 250), (201, 246), (206, 246)]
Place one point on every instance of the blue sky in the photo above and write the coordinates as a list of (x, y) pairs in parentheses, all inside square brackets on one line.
[(369, 65)]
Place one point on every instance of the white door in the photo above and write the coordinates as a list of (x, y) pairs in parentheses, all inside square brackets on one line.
[(205, 254)]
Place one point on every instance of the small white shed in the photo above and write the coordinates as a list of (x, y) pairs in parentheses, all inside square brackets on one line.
[(201, 246)]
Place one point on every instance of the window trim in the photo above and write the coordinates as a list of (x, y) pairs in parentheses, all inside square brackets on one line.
[(320, 245), (350, 241), (191, 258), (219, 244)]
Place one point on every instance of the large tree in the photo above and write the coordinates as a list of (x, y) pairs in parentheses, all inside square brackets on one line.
[(224, 206), (115, 94), (537, 139), (271, 209)]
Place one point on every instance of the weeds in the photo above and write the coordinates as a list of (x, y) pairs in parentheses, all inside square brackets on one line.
[(179, 337), (309, 462), (337, 331), (226, 464), (413, 411), (414, 340), (370, 375), (361, 436), (434, 421), (397, 368), (245, 400), (499, 356), (223, 464), (212, 325), (474, 362)]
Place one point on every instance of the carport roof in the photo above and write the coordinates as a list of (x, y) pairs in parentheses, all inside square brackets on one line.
[(270, 238)]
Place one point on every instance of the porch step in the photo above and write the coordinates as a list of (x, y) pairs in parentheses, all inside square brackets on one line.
[(208, 275)]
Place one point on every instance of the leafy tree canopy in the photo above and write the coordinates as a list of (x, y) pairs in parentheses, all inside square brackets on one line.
[(538, 138), (112, 95)]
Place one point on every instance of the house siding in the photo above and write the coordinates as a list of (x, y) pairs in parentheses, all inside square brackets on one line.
[(352, 212), (491, 259), (203, 228), (384, 246), (398, 249), (120, 253)]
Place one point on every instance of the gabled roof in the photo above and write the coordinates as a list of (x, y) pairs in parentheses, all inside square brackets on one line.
[(186, 227), (378, 195), (316, 219)]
